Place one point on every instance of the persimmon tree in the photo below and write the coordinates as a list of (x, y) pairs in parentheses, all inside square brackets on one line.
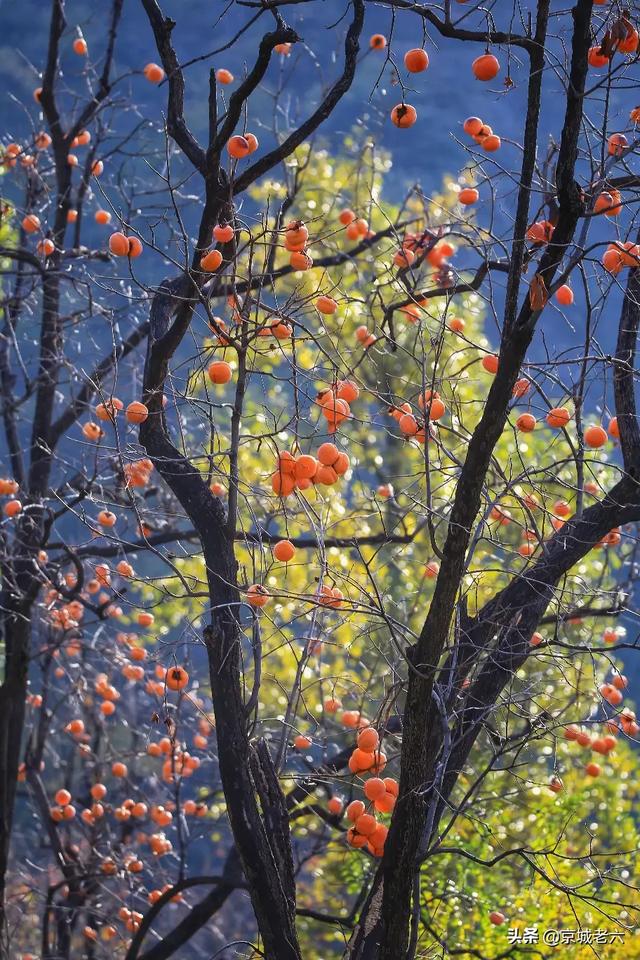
[(318, 540)]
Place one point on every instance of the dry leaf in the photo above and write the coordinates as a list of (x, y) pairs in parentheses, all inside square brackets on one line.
[(538, 295)]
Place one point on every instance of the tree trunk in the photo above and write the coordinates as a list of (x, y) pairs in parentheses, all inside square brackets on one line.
[(15, 630)]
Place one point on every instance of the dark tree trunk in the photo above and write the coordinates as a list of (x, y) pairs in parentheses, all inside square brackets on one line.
[(15, 632)]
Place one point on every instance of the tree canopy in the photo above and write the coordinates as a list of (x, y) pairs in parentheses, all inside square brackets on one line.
[(320, 495)]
